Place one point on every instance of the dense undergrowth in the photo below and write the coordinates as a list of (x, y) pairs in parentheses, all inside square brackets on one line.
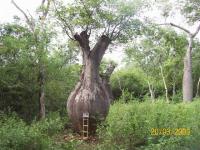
[(15, 134), (127, 127)]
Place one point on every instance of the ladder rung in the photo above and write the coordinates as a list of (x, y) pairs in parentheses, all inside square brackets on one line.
[(85, 127)]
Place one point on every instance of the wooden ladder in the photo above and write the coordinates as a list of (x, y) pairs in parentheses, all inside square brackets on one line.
[(85, 125)]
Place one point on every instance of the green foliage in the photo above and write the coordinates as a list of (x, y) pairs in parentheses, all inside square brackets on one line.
[(109, 17), (128, 126), (159, 47), (15, 134), (51, 125), (19, 71), (130, 80), (104, 64), (191, 10)]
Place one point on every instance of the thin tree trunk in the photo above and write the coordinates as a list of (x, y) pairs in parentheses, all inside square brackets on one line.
[(174, 83), (174, 90), (164, 82), (120, 87), (41, 92), (151, 91), (198, 84), (187, 74)]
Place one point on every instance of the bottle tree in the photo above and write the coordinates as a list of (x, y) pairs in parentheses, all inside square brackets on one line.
[(86, 21), (190, 10)]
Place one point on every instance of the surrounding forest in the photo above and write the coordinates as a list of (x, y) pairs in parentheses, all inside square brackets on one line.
[(53, 71)]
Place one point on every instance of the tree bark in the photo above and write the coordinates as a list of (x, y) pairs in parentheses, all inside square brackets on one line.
[(106, 80), (187, 74), (90, 94), (198, 84), (174, 83), (164, 82), (41, 93)]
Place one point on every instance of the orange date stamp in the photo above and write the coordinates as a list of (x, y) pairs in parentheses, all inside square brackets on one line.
[(170, 131)]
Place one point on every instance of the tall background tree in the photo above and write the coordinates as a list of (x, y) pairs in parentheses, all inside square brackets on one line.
[(190, 11), (41, 39)]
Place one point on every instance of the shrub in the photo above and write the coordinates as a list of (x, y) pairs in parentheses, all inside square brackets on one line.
[(128, 126), (15, 134), (51, 125), (132, 81)]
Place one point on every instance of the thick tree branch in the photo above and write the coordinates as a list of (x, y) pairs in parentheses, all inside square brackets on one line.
[(180, 27), (83, 40), (177, 26), (100, 48), (192, 35)]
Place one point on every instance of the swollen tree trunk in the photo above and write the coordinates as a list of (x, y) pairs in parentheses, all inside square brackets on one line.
[(164, 82), (187, 74), (41, 92), (90, 94), (197, 92)]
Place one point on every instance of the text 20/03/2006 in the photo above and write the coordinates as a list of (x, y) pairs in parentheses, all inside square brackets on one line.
[(170, 131)]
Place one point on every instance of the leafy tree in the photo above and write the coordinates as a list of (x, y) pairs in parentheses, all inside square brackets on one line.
[(41, 39), (108, 21), (18, 71), (159, 50)]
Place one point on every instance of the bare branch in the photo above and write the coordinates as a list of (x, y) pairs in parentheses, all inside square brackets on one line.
[(29, 22), (162, 24), (30, 14), (66, 31), (117, 25), (177, 26), (100, 48), (117, 35), (180, 27), (121, 27)]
